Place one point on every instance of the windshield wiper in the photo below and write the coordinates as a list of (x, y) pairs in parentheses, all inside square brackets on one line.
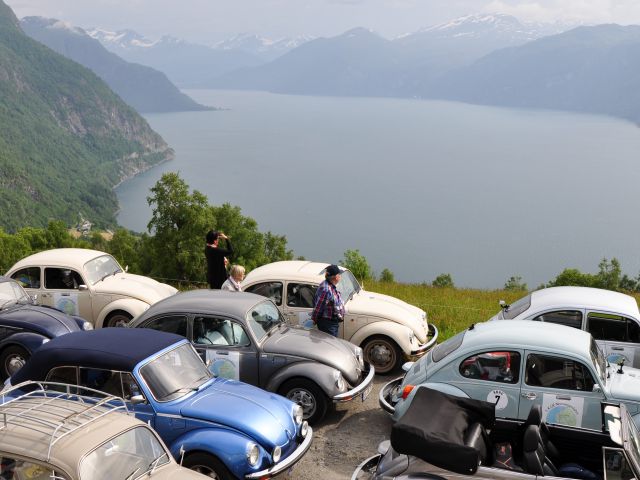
[(132, 474), (153, 465)]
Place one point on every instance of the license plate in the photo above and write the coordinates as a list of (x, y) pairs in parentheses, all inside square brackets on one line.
[(366, 392)]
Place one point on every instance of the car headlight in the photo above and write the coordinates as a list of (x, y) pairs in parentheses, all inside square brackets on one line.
[(277, 453), (297, 414), (337, 377), (87, 326), (304, 429), (253, 454)]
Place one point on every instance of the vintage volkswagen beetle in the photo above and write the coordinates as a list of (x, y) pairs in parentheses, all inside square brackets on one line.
[(62, 432), (244, 337), (518, 364), (461, 438), (88, 283), (226, 429), (387, 329), (25, 326), (612, 318)]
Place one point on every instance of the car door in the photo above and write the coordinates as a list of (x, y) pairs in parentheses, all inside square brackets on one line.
[(563, 387), (228, 350), (618, 336), (62, 291), (493, 376), (298, 303)]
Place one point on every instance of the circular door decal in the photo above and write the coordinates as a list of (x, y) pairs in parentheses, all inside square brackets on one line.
[(499, 398)]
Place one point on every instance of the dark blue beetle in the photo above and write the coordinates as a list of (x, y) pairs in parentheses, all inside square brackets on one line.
[(25, 326)]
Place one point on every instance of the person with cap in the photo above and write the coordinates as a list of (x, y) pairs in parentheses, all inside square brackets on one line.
[(328, 308), (216, 258)]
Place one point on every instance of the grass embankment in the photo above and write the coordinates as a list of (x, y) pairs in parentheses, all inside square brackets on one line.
[(450, 309)]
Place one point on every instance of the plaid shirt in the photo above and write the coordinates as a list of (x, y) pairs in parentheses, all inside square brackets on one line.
[(327, 302)]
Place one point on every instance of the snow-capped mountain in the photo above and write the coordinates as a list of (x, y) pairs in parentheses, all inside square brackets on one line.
[(124, 39), (263, 47)]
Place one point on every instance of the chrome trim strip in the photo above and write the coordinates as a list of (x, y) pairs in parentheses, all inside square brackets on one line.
[(427, 346), (384, 394), (351, 394), (287, 462)]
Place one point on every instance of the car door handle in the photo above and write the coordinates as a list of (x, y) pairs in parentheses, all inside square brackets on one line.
[(65, 294), (529, 395), (222, 353), (618, 349), (563, 397)]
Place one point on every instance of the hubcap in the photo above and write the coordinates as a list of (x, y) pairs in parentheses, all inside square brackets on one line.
[(119, 321), (206, 471), (381, 355), (15, 363), (305, 399)]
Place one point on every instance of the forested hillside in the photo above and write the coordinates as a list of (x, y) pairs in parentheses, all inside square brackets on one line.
[(65, 138)]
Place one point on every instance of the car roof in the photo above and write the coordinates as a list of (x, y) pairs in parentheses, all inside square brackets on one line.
[(592, 298), (204, 301), (109, 348), (525, 334), (63, 257), (288, 270)]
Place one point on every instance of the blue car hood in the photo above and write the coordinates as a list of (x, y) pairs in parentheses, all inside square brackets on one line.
[(44, 320), (264, 416)]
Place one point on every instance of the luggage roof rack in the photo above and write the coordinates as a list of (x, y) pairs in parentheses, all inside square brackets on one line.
[(55, 409)]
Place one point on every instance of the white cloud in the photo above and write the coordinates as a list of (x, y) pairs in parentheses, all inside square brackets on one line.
[(584, 11)]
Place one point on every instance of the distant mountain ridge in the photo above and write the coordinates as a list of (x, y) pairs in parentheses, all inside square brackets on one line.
[(65, 138), (145, 89)]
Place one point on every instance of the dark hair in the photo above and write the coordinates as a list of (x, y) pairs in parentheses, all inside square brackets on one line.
[(211, 236)]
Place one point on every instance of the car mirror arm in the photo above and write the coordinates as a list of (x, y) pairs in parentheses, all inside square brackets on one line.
[(82, 287), (138, 399)]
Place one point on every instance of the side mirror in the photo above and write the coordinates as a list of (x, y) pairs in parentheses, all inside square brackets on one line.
[(34, 299), (596, 389), (126, 268), (503, 305), (138, 399), (83, 288)]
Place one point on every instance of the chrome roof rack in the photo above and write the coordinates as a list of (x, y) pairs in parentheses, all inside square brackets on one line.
[(55, 409)]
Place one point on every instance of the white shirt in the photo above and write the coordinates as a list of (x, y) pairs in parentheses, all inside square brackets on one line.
[(231, 285)]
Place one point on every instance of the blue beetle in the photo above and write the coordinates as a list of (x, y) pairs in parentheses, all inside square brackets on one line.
[(224, 428), (25, 326)]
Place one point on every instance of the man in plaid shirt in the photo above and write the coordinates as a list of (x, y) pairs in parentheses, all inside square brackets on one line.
[(328, 309)]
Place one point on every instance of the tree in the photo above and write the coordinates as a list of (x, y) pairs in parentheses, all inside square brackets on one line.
[(386, 276), (515, 284), (609, 275), (443, 280), (357, 263)]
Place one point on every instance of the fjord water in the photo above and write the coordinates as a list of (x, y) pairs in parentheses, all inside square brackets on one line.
[(419, 187)]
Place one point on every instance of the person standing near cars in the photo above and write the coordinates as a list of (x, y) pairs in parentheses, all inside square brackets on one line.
[(328, 308), (236, 275), (216, 258)]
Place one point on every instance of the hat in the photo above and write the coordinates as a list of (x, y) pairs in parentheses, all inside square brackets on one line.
[(332, 271)]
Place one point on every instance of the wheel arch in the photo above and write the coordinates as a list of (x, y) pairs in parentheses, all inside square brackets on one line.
[(130, 306)]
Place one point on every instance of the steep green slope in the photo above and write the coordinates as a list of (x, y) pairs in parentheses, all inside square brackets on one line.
[(65, 138)]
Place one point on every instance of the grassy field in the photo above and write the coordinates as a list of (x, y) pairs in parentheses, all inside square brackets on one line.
[(450, 309)]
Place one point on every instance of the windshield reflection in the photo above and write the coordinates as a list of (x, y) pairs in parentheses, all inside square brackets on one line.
[(11, 293), (348, 285), (100, 268), (263, 317)]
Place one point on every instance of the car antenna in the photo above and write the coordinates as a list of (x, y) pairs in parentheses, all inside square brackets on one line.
[(181, 454)]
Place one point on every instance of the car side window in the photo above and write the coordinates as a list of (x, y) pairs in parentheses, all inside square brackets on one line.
[(28, 277), (108, 381), (63, 375), (569, 318), (61, 279), (614, 328), (219, 331), (492, 366), (557, 372), (169, 323), (272, 290), (18, 468), (301, 295)]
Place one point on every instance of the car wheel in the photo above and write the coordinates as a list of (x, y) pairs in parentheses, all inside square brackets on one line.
[(381, 352), (207, 465), (12, 359), (117, 319), (308, 395)]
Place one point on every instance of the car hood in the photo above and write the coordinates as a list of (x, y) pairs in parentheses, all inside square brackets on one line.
[(625, 385), (44, 320), (145, 289), (315, 345), (384, 306), (174, 472), (264, 416)]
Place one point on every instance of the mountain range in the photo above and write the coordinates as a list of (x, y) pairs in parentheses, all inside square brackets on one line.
[(65, 138), (142, 87)]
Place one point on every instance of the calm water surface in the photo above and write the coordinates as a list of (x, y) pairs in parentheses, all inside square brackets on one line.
[(421, 188)]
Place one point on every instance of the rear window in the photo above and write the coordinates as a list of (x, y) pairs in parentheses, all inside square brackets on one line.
[(445, 348), (516, 308)]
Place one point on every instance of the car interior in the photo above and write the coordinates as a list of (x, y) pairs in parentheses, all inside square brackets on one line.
[(214, 331)]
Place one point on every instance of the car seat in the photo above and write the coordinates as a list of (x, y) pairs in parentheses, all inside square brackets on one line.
[(476, 437)]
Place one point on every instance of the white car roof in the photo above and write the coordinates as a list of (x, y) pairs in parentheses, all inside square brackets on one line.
[(299, 270), (591, 298), (59, 257)]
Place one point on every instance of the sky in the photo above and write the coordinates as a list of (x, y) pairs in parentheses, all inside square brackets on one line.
[(209, 21)]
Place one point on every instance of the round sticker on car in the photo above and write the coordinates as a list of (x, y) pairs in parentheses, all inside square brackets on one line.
[(499, 398)]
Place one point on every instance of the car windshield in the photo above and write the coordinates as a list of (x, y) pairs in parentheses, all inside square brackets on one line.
[(11, 293), (100, 268), (175, 373), (263, 317), (127, 456), (597, 357), (348, 285), (443, 349), (516, 308)]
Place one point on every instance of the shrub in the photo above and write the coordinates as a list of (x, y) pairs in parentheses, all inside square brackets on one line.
[(443, 280)]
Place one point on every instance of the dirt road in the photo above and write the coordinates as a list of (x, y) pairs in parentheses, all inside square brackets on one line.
[(346, 436)]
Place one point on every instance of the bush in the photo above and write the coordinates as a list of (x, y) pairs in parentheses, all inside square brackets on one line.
[(515, 284), (357, 263), (443, 280), (386, 276)]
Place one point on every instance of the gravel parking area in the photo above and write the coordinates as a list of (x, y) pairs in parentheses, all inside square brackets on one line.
[(346, 436)]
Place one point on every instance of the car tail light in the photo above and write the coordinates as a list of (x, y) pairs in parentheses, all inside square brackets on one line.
[(406, 391)]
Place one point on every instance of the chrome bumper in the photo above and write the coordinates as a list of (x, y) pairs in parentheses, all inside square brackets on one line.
[(364, 470), (425, 347), (384, 397), (287, 462), (353, 393)]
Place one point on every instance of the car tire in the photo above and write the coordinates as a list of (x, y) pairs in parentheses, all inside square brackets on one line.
[(381, 352), (208, 465), (308, 395), (117, 319), (11, 360)]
